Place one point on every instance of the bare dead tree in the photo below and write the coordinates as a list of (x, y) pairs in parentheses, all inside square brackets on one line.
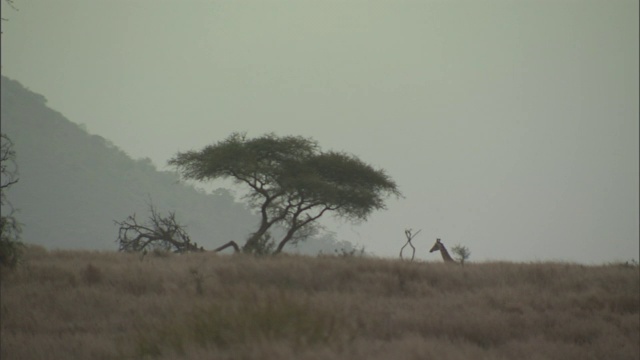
[(10, 229), (8, 166), (410, 236), (157, 233)]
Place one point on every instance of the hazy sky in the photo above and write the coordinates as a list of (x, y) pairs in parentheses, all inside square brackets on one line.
[(510, 126)]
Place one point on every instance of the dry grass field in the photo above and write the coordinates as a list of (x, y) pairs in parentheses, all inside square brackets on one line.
[(107, 305)]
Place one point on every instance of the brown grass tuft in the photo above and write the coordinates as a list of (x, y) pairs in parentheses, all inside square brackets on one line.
[(104, 305), (91, 275)]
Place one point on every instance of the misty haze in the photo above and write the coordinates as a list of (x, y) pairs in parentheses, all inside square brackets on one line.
[(510, 127)]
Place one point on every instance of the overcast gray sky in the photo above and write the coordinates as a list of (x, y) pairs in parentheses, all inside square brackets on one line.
[(510, 126)]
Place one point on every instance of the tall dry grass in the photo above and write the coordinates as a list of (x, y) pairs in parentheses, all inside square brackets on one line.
[(91, 305)]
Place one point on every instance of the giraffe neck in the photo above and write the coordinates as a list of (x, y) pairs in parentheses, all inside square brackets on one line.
[(445, 254)]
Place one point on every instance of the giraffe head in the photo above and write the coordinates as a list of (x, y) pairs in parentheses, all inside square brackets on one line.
[(439, 246), (436, 246)]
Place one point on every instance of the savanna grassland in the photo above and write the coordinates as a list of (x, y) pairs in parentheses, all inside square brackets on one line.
[(107, 305)]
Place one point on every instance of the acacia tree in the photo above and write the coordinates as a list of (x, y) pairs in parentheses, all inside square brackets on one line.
[(291, 181)]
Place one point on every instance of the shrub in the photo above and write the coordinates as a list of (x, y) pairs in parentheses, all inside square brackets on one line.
[(462, 253)]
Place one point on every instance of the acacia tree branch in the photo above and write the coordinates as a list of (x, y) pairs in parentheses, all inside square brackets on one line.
[(295, 224)]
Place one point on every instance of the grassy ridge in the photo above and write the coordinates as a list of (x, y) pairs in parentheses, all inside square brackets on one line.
[(80, 305)]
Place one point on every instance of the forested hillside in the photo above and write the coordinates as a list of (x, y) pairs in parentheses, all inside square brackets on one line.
[(73, 185)]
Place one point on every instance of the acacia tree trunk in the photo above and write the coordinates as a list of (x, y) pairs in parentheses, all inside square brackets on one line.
[(286, 239), (265, 222), (253, 240)]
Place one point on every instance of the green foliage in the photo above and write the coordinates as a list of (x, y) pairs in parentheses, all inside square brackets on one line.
[(462, 253), (345, 183), (256, 162), (292, 182)]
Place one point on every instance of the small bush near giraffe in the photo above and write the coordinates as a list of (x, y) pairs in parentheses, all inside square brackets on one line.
[(109, 305)]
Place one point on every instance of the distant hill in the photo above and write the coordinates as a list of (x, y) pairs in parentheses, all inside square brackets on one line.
[(73, 185)]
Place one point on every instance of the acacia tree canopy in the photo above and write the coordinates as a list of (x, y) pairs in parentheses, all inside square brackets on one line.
[(292, 181)]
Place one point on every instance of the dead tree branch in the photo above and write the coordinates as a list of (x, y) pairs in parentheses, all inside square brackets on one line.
[(231, 243), (409, 236), (157, 233)]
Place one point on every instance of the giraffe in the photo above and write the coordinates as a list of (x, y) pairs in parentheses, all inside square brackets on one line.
[(443, 251)]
